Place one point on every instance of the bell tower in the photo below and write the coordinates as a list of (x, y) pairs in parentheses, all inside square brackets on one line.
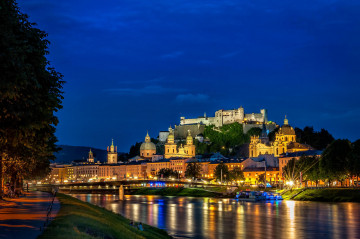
[(112, 153)]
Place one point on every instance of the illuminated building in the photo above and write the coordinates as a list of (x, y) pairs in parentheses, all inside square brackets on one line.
[(112, 153), (91, 157), (148, 148), (285, 142), (183, 151)]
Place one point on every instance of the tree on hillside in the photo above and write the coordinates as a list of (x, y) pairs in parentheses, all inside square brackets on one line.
[(135, 150), (193, 170), (318, 140), (30, 93), (237, 174), (201, 148), (167, 173), (222, 172), (254, 131), (335, 160)]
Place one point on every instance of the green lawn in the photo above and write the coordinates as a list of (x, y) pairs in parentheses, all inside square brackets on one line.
[(290, 193), (330, 195), (190, 192), (77, 219)]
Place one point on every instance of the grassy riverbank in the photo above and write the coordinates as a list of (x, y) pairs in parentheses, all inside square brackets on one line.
[(77, 219), (325, 195), (189, 192)]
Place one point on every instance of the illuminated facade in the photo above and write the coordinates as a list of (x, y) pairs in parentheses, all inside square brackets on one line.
[(285, 142), (223, 117), (183, 151), (112, 153), (91, 157), (148, 148)]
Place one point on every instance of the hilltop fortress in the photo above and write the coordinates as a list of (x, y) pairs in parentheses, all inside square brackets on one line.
[(223, 117)]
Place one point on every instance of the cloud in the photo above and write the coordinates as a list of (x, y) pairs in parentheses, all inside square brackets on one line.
[(193, 98), (171, 55), (149, 90)]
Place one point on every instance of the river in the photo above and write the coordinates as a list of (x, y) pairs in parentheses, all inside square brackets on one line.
[(186, 217)]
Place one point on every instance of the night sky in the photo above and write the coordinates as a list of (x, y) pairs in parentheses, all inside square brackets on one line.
[(132, 66)]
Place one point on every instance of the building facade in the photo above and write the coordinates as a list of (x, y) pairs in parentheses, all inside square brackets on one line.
[(223, 117), (147, 148), (285, 142), (183, 151), (112, 153)]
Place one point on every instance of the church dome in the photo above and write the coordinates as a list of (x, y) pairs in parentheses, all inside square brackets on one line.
[(286, 129), (147, 145)]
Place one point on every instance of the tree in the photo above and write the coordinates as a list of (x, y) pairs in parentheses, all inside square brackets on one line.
[(305, 165), (221, 172), (167, 173), (334, 161), (290, 171), (193, 170), (135, 149), (317, 140), (262, 178), (30, 93), (254, 131), (354, 162), (313, 173), (237, 174)]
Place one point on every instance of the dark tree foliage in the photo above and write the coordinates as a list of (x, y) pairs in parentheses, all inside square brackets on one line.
[(222, 169), (335, 160), (193, 170), (261, 178), (167, 173), (313, 173), (30, 93), (290, 171), (237, 174), (135, 149), (307, 165), (271, 135), (316, 139), (254, 131), (354, 162)]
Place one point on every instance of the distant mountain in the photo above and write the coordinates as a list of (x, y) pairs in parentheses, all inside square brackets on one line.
[(70, 153)]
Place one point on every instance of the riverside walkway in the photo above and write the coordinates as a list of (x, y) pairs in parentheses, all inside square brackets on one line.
[(23, 217)]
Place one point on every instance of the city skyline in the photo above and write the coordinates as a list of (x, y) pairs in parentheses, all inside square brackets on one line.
[(140, 66)]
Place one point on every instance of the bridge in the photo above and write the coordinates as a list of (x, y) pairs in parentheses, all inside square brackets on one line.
[(112, 187)]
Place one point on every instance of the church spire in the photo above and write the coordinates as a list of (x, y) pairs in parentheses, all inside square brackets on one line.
[(286, 121), (147, 137)]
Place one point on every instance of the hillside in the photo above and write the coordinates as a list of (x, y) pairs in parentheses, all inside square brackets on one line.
[(228, 140), (70, 153)]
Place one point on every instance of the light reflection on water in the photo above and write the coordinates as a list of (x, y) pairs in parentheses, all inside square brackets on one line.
[(227, 218)]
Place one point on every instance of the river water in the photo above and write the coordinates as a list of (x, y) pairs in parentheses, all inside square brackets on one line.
[(186, 217)]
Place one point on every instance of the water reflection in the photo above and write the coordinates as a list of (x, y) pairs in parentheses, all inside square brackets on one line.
[(227, 218)]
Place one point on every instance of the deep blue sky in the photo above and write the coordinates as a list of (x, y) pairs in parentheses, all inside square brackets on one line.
[(137, 65)]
